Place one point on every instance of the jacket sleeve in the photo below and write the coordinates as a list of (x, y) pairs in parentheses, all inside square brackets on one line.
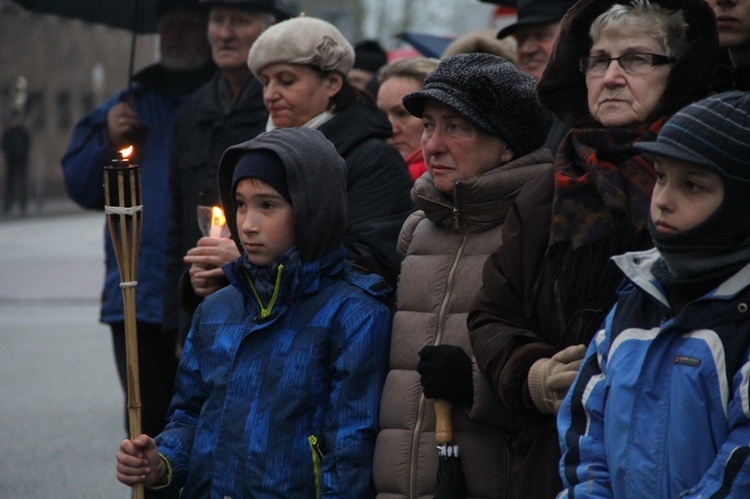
[(580, 424), (359, 367), (729, 475), (176, 440), (88, 152), (503, 330)]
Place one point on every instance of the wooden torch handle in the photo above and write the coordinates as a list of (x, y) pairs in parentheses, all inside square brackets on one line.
[(443, 422)]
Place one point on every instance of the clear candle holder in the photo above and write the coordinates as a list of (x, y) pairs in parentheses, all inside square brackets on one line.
[(212, 222)]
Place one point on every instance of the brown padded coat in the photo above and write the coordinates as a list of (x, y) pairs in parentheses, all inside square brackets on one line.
[(524, 311), (445, 245)]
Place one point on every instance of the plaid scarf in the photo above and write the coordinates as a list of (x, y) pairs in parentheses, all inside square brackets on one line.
[(599, 176)]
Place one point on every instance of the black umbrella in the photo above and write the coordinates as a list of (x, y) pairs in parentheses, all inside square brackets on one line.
[(138, 16), (451, 482)]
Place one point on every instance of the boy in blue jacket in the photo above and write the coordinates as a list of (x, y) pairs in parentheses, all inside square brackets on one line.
[(661, 404), (278, 388)]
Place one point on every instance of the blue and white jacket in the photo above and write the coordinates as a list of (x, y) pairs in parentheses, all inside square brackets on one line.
[(661, 405)]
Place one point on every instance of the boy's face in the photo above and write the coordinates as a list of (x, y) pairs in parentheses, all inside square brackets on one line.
[(265, 221), (685, 195)]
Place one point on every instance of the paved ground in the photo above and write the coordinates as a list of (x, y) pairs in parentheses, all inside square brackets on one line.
[(61, 405)]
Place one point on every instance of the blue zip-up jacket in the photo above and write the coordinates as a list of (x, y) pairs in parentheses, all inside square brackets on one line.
[(661, 404), (278, 388), (157, 94)]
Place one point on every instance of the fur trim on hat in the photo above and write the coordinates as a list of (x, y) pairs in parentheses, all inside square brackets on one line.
[(302, 40), (482, 40)]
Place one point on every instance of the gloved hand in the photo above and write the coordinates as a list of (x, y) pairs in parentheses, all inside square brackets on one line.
[(549, 379), (446, 374)]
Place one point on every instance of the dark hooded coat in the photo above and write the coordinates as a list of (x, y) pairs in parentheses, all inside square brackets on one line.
[(531, 304)]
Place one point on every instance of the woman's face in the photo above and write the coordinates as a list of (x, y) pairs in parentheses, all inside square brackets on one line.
[(407, 129), (295, 93), (454, 149), (618, 99)]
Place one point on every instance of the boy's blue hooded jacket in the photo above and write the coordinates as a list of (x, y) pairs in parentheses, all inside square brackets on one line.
[(279, 385)]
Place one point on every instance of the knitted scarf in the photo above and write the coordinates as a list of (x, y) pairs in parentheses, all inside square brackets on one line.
[(599, 175)]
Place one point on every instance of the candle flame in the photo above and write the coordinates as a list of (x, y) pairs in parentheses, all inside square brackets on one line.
[(125, 153), (217, 216)]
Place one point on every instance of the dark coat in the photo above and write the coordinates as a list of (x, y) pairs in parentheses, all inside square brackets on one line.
[(203, 131), (378, 188), (525, 311)]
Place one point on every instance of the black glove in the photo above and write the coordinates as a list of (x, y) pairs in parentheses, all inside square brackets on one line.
[(446, 374)]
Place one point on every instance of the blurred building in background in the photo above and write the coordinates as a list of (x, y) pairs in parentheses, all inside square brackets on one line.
[(57, 70)]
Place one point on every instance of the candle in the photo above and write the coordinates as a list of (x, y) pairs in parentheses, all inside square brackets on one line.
[(217, 221)]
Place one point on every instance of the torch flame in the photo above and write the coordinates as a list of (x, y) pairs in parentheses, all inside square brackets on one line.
[(217, 216), (125, 153)]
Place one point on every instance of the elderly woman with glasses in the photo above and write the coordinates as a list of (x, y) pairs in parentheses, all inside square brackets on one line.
[(618, 71)]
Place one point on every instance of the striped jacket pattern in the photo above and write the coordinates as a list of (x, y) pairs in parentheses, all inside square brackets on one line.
[(661, 405)]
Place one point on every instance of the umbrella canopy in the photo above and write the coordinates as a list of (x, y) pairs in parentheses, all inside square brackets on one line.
[(427, 45), (136, 15)]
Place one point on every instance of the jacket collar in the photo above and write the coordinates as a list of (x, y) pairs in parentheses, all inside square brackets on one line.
[(483, 201), (637, 267)]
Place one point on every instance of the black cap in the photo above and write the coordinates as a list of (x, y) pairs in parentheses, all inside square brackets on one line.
[(369, 55), (280, 8), (536, 12), (166, 5)]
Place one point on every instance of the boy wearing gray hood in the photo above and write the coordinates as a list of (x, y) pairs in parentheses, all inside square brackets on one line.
[(279, 384)]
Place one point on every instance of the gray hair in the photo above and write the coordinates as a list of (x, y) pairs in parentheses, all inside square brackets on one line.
[(666, 26), (415, 68)]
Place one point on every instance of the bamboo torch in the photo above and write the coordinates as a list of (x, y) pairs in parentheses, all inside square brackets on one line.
[(124, 212)]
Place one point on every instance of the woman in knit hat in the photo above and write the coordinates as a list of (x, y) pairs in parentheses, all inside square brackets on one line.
[(302, 64), (618, 71), (401, 77), (483, 130)]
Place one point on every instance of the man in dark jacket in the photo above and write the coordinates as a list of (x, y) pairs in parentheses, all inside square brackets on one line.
[(226, 111), (535, 31), (143, 116), (733, 21)]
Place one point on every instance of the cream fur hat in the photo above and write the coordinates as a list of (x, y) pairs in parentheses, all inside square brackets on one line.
[(302, 40)]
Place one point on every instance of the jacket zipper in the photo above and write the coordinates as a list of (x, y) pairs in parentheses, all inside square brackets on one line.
[(317, 457), (266, 311), (416, 432)]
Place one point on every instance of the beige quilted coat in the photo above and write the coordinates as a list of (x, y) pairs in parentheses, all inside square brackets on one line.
[(444, 246)]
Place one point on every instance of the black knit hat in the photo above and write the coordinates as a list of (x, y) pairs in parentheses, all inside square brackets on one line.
[(264, 165), (535, 12), (712, 132), (369, 55), (492, 94)]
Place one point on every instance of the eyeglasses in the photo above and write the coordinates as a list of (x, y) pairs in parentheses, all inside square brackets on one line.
[(632, 64)]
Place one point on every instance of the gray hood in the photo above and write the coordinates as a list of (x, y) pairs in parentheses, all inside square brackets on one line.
[(316, 176)]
